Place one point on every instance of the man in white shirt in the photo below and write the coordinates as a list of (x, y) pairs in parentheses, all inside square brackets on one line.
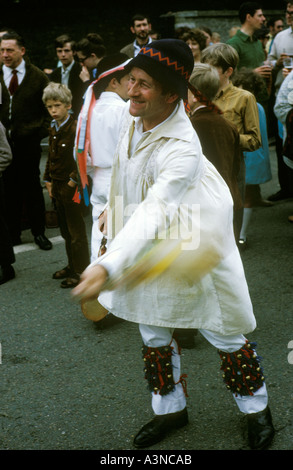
[(159, 168), (110, 90), (281, 49)]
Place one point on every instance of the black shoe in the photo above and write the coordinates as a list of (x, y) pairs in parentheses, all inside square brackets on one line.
[(279, 196), (16, 241), (6, 273), (156, 429), (260, 429), (242, 244), (43, 242)]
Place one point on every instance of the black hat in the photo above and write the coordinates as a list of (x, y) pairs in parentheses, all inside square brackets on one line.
[(108, 67), (169, 61)]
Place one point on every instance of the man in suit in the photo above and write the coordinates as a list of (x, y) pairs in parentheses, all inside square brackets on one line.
[(69, 72), (7, 257), (140, 28), (26, 120)]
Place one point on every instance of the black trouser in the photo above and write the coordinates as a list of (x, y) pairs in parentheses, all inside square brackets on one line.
[(72, 226), (23, 187), (6, 250)]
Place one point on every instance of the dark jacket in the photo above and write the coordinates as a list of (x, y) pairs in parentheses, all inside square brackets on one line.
[(61, 165), (220, 144), (29, 117), (75, 85)]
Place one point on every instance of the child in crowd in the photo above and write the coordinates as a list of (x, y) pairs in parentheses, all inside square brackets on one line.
[(239, 106), (257, 163), (61, 179), (219, 137)]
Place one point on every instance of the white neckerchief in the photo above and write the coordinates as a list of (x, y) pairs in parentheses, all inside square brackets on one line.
[(138, 132)]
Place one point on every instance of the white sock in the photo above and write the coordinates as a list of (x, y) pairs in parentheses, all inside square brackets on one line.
[(247, 212)]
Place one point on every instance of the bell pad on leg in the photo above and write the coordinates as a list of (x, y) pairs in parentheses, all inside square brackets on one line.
[(242, 373), (158, 369)]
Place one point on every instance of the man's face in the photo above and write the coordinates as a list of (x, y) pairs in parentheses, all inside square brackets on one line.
[(278, 26), (257, 20), (11, 53), (141, 29), (65, 54), (147, 99), (289, 14), (90, 62), (122, 87)]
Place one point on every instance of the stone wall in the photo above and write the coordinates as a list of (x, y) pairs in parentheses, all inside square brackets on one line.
[(219, 21)]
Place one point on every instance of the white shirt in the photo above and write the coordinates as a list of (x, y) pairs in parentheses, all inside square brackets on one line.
[(7, 73), (283, 44), (105, 126), (139, 133), (137, 47), (65, 73)]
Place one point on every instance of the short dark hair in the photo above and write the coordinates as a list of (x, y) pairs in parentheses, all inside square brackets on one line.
[(195, 35), (139, 17), (63, 39), (249, 80), (92, 44), (12, 35), (248, 8), (272, 21)]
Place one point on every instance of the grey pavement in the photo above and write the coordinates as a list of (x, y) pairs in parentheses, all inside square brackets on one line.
[(66, 385)]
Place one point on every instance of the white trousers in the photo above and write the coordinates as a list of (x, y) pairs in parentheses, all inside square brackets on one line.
[(155, 336)]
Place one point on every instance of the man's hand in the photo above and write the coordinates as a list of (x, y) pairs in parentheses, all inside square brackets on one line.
[(91, 283), (49, 188), (84, 74), (103, 222), (265, 71)]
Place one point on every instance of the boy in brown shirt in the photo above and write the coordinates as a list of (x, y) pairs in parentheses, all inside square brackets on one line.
[(60, 178)]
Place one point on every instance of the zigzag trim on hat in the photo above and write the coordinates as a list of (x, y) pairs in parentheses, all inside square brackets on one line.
[(157, 55)]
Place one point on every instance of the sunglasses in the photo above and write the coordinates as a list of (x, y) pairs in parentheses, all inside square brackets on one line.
[(82, 59)]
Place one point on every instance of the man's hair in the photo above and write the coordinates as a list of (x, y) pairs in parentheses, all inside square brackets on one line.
[(91, 44), (139, 17), (196, 35), (220, 55), (248, 8), (12, 35), (272, 21), (249, 80), (57, 92), (64, 39), (205, 78)]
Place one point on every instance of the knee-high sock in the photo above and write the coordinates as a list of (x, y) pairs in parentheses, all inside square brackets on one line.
[(246, 404), (153, 336), (247, 213)]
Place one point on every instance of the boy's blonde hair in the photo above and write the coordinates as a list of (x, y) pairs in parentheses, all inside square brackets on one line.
[(205, 78), (57, 92), (220, 55)]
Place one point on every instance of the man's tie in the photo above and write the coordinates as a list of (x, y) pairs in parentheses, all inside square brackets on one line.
[(13, 82)]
